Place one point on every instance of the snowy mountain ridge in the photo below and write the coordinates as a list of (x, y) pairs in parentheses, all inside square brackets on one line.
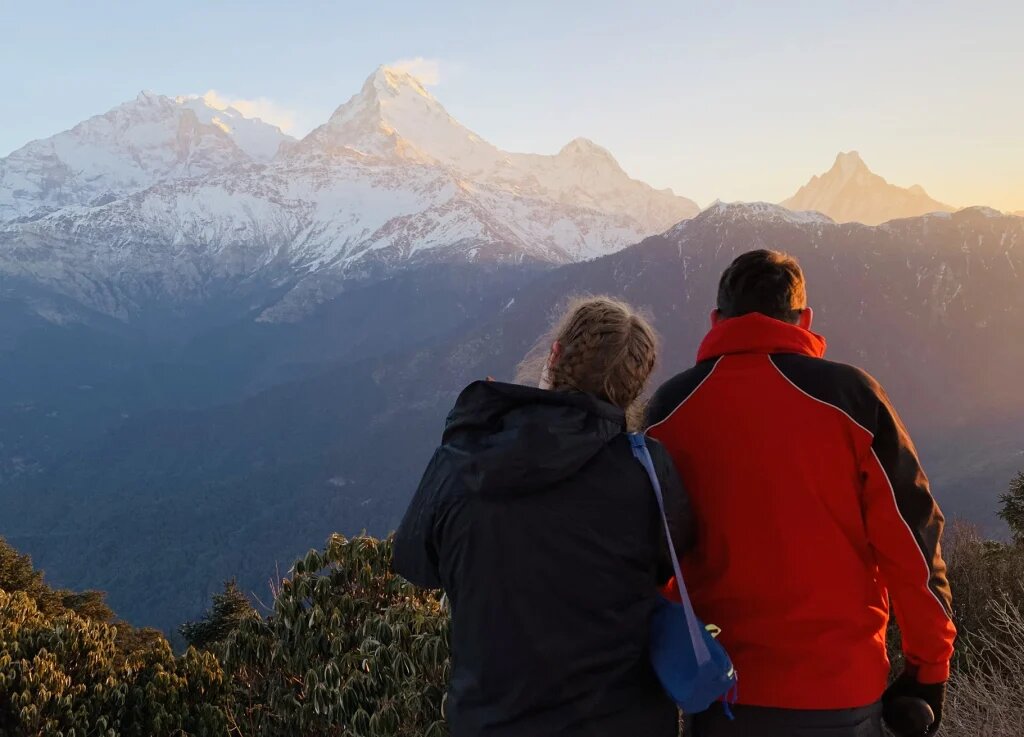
[(145, 141), (258, 139), (764, 211), (187, 202), (394, 118)]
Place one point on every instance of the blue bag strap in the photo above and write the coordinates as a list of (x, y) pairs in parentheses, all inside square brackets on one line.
[(642, 454)]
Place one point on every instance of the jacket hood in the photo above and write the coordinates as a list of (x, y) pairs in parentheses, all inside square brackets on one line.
[(757, 333), (512, 439)]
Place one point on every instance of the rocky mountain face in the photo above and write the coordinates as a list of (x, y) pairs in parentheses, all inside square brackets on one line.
[(930, 305), (850, 192), (391, 180)]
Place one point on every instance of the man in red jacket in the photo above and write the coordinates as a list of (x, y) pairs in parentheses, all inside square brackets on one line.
[(812, 513)]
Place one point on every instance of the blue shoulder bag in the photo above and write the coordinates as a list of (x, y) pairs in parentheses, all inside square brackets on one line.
[(691, 664)]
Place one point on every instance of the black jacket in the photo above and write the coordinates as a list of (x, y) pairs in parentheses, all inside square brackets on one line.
[(544, 531)]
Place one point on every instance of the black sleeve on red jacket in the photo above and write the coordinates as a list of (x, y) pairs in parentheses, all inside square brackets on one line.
[(675, 391), (903, 521), (898, 501), (677, 508)]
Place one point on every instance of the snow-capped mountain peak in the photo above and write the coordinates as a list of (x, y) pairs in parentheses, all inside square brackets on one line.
[(395, 119), (393, 116), (851, 192), (395, 81), (150, 139), (387, 96)]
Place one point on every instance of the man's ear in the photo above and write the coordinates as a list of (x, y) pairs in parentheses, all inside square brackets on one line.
[(716, 317), (806, 318)]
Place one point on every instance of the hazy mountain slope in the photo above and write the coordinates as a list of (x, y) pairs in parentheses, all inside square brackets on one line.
[(64, 386), (850, 192), (932, 306)]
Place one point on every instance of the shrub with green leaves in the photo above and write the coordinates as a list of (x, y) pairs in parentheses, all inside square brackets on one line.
[(349, 650), (230, 608), (65, 675)]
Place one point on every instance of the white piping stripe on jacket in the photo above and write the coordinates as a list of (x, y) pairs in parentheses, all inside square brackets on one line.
[(927, 565), (686, 398)]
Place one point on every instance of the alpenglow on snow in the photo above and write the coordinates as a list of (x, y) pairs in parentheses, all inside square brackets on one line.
[(162, 197)]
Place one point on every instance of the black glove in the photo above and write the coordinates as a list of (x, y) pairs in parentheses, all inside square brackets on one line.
[(911, 708)]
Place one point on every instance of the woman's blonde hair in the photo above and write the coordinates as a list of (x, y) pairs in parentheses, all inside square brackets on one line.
[(607, 349)]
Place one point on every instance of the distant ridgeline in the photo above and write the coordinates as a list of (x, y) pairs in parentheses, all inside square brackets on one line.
[(155, 460), (347, 649)]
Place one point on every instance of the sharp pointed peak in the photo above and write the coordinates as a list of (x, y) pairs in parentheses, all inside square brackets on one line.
[(393, 81), (851, 155), (849, 162), (851, 192)]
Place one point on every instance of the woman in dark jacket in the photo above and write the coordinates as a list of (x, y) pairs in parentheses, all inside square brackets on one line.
[(544, 532)]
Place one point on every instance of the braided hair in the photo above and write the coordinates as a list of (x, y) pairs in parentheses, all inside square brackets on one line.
[(607, 349)]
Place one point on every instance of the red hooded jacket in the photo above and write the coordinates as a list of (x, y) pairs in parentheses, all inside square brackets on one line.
[(812, 512)]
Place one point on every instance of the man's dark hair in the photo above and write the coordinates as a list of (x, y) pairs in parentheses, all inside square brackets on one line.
[(769, 282)]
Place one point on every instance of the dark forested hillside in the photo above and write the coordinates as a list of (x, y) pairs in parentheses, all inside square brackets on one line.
[(162, 505)]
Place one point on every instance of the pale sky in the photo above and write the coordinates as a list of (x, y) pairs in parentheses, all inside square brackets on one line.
[(730, 100)]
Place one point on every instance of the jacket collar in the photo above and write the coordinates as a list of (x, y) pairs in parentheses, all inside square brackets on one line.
[(757, 333)]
